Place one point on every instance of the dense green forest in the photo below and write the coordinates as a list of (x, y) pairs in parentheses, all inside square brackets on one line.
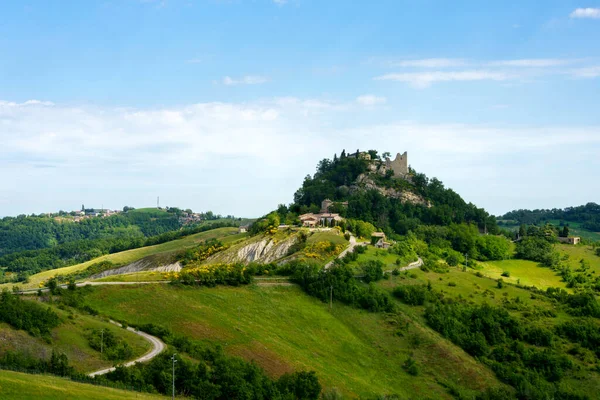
[(588, 216), (333, 179), (41, 232)]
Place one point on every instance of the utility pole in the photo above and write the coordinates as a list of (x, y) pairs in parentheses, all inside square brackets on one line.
[(101, 342), (331, 298), (467, 259), (174, 361)]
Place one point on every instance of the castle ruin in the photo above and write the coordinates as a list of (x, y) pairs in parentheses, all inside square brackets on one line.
[(399, 165)]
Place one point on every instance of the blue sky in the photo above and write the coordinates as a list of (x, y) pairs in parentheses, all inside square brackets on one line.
[(227, 105)]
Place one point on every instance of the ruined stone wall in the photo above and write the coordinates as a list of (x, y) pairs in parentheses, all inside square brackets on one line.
[(399, 165)]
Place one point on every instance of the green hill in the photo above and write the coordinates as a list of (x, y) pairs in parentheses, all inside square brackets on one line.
[(20, 386), (71, 339), (129, 256), (283, 329)]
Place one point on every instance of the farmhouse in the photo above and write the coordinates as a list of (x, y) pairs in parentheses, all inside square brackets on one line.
[(570, 240), (378, 240)]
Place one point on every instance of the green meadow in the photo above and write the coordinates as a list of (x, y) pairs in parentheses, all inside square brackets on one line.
[(19, 386), (282, 329)]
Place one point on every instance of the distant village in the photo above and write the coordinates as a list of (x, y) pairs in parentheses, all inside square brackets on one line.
[(186, 217)]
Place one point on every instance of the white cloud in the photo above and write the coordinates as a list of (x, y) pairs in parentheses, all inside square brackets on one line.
[(425, 79), (532, 62), (586, 13), (211, 155), (587, 72), (431, 63), (280, 2), (26, 103), (370, 100), (245, 80)]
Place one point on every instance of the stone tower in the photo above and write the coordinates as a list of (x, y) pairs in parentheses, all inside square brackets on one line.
[(399, 165)]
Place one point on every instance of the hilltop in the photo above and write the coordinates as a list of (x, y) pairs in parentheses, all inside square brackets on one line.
[(386, 193)]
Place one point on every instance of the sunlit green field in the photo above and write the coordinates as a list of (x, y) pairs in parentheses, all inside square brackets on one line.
[(526, 273), (283, 329), (19, 386)]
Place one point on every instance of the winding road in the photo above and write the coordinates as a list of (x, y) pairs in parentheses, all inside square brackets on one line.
[(351, 244), (157, 347)]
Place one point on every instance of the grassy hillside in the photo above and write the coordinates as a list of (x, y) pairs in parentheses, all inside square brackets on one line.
[(530, 273), (19, 386), (70, 338), (126, 257), (537, 311), (283, 329)]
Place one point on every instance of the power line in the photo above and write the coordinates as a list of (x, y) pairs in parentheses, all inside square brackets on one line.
[(174, 361)]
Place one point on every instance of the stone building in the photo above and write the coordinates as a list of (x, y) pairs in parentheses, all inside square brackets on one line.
[(378, 240), (570, 240)]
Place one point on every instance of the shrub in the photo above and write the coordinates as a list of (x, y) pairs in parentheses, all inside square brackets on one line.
[(452, 284), (506, 274), (411, 295), (410, 366), (372, 271), (452, 259)]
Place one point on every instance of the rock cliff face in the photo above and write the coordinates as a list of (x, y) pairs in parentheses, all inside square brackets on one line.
[(265, 250), (365, 182), (145, 264)]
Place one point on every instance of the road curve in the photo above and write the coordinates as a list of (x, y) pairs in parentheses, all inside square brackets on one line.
[(157, 347), (412, 265), (351, 244)]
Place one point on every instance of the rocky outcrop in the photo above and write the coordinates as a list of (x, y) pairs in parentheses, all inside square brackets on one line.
[(145, 264), (265, 250), (365, 182)]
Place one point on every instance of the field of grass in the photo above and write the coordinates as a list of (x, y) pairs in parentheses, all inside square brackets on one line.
[(530, 273), (129, 256), (387, 258), (19, 386), (69, 338), (526, 273), (144, 276), (327, 236), (283, 329), (576, 253)]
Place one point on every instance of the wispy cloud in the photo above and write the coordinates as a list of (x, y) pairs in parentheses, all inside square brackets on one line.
[(588, 72), (425, 79), (245, 80), (280, 2), (26, 103), (370, 100), (431, 63), (422, 73), (586, 13), (532, 62)]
